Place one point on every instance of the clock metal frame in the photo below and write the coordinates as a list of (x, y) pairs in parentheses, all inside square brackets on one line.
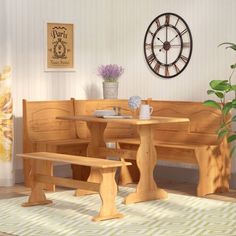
[(151, 56)]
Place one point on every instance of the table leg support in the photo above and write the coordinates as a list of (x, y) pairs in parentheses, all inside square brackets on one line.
[(97, 140), (146, 160)]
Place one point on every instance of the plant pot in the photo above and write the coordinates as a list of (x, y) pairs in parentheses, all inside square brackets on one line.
[(110, 90)]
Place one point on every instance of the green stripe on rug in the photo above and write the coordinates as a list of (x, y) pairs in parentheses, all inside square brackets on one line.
[(178, 215)]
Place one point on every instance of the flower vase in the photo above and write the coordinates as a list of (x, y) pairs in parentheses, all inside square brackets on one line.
[(110, 90)]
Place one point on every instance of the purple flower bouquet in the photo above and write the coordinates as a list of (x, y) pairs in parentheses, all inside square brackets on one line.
[(110, 73)]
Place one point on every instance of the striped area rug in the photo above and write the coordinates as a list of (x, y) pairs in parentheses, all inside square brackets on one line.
[(178, 215)]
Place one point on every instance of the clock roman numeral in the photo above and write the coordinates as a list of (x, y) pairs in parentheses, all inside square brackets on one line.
[(167, 71), (183, 58), (177, 22), (186, 44), (167, 22), (176, 68), (148, 45), (151, 58), (151, 33), (157, 67), (158, 23), (183, 32)]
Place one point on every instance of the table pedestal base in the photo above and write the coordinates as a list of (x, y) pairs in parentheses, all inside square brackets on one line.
[(145, 196)]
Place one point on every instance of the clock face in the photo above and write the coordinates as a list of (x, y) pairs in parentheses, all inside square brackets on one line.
[(168, 45)]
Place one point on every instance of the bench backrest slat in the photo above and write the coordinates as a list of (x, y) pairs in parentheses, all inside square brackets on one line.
[(88, 107), (40, 123), (71, 159), (204, 122)]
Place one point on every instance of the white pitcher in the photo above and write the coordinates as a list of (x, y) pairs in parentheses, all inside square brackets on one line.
[(145, 112)]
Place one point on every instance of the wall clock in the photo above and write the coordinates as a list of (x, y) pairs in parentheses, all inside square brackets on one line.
[(168, 45)]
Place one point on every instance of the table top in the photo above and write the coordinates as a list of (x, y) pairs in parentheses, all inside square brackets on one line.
[(132, 121)]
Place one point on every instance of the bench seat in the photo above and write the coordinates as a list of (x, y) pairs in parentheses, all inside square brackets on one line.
[(107, 187), (164, 144)]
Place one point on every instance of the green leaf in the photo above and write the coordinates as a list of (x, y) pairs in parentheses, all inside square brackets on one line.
[(233, 88), (220, 85), (225, 43), (233, 118), (212, 103), (234, 102), (231, 138), (210, 92), (222, 126), (233, 66), (231, 45), (225, 125), (232, 151), (219, 95), (227, 107), (222, 133)]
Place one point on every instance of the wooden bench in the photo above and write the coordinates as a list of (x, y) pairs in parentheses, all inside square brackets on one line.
[(43, 132), (194, 143), (107, 188)]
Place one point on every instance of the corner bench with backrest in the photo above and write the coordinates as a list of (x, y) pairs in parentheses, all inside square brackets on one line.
[(107, 187), (194, 143)]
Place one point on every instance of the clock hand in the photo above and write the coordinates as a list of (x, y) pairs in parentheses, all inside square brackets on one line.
[(166, 35), (173, 38), (166, 56), (181, 33), (160, 40)]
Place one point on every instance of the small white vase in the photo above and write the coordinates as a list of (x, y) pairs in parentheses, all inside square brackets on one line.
[(110, 90)]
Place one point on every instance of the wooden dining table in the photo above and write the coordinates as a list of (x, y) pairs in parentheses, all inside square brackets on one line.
[(146, 156)]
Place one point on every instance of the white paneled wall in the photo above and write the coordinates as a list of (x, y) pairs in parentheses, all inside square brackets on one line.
[(211, 22), (111, 31)]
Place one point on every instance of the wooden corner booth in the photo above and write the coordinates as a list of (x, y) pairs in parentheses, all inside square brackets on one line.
[(192, 142)]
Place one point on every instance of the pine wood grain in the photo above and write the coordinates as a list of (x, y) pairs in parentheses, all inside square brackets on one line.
[(43, 132), (106, 187)]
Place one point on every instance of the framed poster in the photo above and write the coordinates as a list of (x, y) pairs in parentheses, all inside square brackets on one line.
[(59, 47)]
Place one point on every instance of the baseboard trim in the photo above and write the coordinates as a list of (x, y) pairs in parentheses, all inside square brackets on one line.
[(181, 174), (233, 181), (178, 174)]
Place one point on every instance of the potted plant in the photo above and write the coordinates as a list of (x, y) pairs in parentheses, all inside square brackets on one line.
[(223, 89), (110, 74)]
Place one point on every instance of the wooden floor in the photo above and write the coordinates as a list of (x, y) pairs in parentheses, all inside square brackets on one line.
[(178, 188)]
